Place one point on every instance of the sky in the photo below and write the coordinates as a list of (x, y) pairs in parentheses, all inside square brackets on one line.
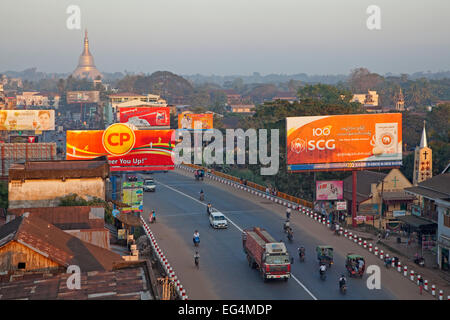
[(226, 37)]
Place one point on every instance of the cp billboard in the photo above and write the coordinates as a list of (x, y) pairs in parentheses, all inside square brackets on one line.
[(42, 120), (338, 142), (145, 116), (191, 121), (126, 149), (329, 190)]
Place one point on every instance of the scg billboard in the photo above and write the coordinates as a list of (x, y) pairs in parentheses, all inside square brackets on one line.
[(344, 141), (126, 149)]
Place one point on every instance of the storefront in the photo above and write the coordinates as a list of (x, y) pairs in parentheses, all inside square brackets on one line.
[(422, 227)]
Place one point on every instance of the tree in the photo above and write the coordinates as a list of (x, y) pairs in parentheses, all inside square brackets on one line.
[(361, 80), (324, 93)]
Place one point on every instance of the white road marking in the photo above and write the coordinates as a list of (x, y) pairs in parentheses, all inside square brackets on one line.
[(237, 227)]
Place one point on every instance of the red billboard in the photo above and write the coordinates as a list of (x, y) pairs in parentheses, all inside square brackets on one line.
[(145, 116), (126, 149)]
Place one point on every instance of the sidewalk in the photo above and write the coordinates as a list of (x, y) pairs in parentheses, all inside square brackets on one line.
[(405, 253)]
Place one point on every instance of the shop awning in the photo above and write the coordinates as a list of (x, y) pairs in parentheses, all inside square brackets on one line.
[(398, 196), (416, 222)]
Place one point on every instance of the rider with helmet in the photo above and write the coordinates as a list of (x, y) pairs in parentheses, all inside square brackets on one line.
[(196, 237)]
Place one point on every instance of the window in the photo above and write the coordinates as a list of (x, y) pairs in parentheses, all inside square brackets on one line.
[(21, 265)]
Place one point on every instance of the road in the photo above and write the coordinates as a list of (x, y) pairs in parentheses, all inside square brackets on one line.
[(224, 272)]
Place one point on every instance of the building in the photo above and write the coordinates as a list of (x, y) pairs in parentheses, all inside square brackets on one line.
[(31, 244), (435, 206), (127, 99), (233, 97), (380, 193), (369, 99), (86, 67), (126, 281), (423, 161), (2, 98), (32, 99), (84, 222), (242, 108), (285, 96), (399, 101), (11, 153), (43, 183)]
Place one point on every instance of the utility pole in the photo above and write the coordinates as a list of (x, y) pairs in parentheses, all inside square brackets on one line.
[(380, 209)]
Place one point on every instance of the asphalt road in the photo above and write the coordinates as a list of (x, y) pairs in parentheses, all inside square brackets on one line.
[(224, 272)]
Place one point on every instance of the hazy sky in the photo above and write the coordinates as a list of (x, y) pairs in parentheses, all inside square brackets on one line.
[(228, 36)]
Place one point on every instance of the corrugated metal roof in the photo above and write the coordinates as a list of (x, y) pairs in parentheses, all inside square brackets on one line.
[(129, 283)]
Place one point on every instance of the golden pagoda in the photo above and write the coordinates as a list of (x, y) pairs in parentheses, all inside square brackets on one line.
[(86, 67)]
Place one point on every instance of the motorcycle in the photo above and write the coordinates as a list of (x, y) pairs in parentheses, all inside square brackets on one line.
[(286, 226), (301, 256), (323, 275), (202, 197), (420, 261), (196, 260), (343, 288), (290, 236)]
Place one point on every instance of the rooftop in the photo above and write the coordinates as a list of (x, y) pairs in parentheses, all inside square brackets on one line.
[(129, 281), (57, 245), (437, 187), (60, 169)]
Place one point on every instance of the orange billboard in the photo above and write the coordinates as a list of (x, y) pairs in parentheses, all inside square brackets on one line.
[(126, 149), (344, 141), (191, 121)]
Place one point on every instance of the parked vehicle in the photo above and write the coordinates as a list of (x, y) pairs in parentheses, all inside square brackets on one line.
[(266, 254), (132, 177), (199, 174), (149, 185), (355, 265), (217, 220), (325, 255)]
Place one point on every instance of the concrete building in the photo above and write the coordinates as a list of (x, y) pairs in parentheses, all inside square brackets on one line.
[(242, 108), (379, 193), (369, 99), (435, 206), (44, 183), (423, 161)]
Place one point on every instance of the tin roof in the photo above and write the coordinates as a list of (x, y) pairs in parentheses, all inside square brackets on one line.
[(128, 282), (64, 249), (59, 169), (65, 218)]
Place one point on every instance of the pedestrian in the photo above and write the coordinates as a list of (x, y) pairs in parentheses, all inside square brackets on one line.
[(267, 191), (420, 285)]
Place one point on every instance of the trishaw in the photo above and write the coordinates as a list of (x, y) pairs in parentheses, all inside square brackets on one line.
[(355, 265), (325, 255), (199, 174)]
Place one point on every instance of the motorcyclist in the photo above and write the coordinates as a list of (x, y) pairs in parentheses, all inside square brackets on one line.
[(286, 225), (290, 233), (301, 252), (196, 237), (196, 258), (202, 195), (322, 269), (342, 281)]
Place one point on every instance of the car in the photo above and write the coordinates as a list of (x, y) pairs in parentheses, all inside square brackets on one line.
[(217, 220), (132, 177), (149, 185)]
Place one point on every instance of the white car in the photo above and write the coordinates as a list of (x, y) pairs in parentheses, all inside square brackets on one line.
[(217, 220)]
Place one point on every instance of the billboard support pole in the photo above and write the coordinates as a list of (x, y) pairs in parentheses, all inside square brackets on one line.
[(354, 199)]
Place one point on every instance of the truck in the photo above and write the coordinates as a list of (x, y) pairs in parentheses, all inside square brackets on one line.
[(266, 254)]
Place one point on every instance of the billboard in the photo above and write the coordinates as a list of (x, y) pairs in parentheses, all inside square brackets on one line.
[(329, 190), (126, 149), (83, 97), (338, 142), (23, 139), (42, 120), (191, 121), (145, 117), (133, 195)]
